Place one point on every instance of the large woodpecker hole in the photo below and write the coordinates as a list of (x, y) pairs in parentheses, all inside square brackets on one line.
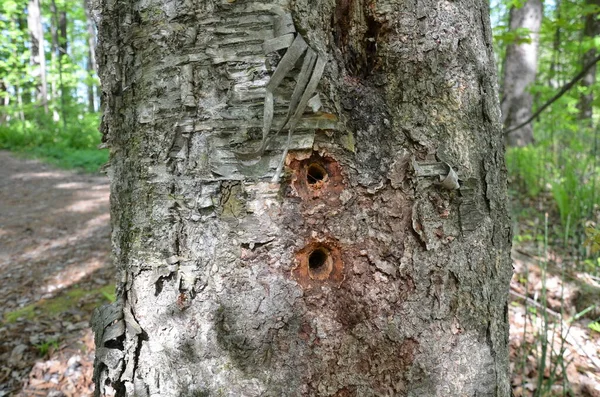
[(315, 173), (318, 177), (317, 259)]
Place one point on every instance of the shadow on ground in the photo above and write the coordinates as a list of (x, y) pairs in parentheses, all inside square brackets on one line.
[(55, 268)]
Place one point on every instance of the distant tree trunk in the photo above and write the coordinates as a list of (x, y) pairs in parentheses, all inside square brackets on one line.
[(64, 41), (369, 269), (554, 78), (24, 91), (59, 40), (54, 55), (3, 101), (63, 47), (591, 29), (38, 56), (91, 66), (520, 68)]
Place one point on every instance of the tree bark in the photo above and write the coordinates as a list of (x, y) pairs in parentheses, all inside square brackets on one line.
[(91, 66), (520, 67), (54, 57), (60, 46), (4, 101), (24, 92), (64, 41), (591, 30), (378, 264), (38, 56)]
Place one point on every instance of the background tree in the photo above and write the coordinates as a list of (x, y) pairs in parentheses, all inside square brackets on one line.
[(68, 135), (520, 67), (591, 32), (91, 66), (38, 55), (367, 269)]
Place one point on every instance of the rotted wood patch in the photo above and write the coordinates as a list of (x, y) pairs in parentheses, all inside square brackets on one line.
[(357, 30)]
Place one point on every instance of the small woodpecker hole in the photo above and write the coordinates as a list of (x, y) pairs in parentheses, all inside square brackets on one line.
[(317, 259), (317, 262), (315, 173)]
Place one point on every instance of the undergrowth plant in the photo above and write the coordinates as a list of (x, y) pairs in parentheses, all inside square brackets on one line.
[(46, 347), (72, 146)]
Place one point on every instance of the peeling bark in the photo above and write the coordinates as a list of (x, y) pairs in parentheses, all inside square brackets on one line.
[(377, 265), (520, 68)]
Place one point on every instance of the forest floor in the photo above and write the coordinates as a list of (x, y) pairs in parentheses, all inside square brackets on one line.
[(55, 268)]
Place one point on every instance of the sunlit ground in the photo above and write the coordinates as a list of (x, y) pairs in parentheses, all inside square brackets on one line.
[(54, 263)]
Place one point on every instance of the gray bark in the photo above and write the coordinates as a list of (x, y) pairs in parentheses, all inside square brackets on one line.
[(38, 56), (54, 60), (520, 67), (591, 29), (59, 50), (91, 66), (377, 265)]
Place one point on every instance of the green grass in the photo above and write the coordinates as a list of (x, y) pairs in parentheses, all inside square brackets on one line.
[(53, 307), (44, 347), (71, 147), (86, 160)]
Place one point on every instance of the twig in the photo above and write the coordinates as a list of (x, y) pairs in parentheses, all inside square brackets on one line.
[(535, 303), (560, 93), (569, 338)]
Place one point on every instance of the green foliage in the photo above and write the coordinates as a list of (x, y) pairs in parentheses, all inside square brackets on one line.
[(595, 326), (70, 299), (71, 147), (593, 239), (517, 36), (109, 294), (527, 166), (562, 165), (65, 135), (46, 346)]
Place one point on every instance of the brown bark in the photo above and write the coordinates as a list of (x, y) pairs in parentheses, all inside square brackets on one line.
[(62, 27), (38, 56), (359, 273), (3, 101), (520, 67), (591, 30)]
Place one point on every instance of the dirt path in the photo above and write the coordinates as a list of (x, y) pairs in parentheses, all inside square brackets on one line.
[(54, 267)]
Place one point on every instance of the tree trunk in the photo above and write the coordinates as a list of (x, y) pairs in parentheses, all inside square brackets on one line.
[(23, 92), (554, 78), (91, 66), (38, 56), (367, 268), (520, 67), (54, 59), (4, 101), (591, 30)]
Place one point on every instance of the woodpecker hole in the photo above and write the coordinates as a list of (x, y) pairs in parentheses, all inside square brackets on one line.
[(317, 262), (317, 258), (315, 173)]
